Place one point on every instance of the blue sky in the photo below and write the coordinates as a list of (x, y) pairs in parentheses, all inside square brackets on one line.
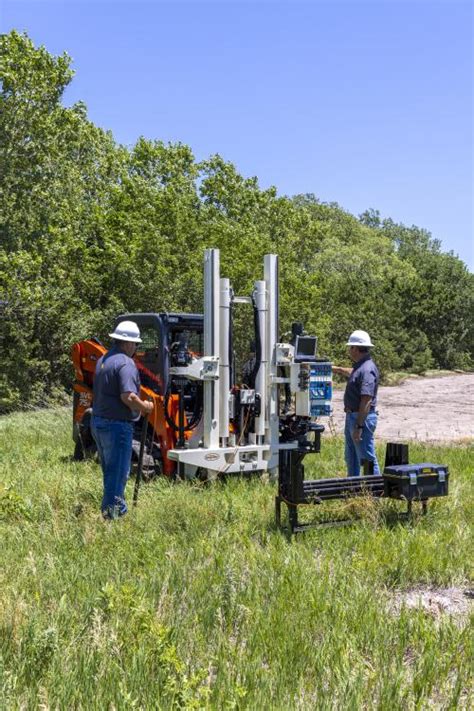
[(365, 103)]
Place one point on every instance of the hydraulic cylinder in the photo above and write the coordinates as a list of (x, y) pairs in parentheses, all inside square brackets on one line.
[(224, 364), (211, 345), (260, 295)]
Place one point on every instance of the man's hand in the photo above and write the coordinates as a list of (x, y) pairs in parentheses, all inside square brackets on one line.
[(357, 434), (131, 400), (339, 370), (148, 407)]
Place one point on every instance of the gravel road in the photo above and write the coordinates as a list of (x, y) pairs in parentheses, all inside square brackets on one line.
[(427, 409)]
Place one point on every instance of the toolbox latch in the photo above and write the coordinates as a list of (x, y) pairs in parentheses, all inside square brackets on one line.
[(413, 479), (441, 475)]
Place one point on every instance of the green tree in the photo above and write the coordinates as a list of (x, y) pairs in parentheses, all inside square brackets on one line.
[(90, 229), (55, 172), (442, 306)]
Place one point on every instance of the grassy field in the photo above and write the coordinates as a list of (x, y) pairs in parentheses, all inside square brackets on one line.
[(195, 600)]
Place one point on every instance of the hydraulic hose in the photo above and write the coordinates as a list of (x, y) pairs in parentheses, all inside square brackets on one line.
[(258, 345), (195, 418), (231, 346)]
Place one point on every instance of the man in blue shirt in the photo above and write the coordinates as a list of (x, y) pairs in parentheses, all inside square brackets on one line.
[(115, 407), (360, 401)]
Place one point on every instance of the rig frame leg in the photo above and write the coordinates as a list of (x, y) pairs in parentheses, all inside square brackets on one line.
[(278, 511), (293, 518)]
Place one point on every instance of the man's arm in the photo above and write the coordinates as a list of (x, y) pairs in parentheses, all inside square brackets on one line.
[(364, 408), (339, 370), (132, 401), (363, 411)]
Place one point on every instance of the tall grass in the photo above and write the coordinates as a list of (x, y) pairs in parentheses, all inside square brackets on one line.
[(195, 600)]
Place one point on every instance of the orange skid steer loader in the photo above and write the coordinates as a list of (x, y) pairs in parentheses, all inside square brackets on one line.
[(167, 339)]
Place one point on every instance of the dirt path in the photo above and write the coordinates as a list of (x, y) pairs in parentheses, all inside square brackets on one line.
[(427, 409)]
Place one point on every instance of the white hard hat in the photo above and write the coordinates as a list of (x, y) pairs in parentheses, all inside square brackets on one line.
[(126, 331), (360, 338)]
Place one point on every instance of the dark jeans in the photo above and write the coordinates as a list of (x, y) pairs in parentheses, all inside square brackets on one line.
[(114, 444)]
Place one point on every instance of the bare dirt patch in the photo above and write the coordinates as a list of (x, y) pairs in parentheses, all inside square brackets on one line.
[(435, 409), (436, 602)]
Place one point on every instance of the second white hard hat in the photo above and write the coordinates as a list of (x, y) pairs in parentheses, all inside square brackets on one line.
[(360, 338), (126, 331)]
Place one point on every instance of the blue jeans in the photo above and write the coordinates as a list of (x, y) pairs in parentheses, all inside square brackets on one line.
[(358, 452), (114, 444)]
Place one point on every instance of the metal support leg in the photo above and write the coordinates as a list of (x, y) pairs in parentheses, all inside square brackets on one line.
[(409, 508), (278, 511), (293, 517), (424, 507)]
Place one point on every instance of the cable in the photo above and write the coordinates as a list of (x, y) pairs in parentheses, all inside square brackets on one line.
[(195, 418), (231, 346), (258, 345)]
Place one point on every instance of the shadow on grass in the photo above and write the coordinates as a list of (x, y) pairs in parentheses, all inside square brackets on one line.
[(66, 459)]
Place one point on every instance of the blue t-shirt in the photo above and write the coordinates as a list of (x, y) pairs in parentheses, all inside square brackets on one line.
[(115, 373), (364, 380)]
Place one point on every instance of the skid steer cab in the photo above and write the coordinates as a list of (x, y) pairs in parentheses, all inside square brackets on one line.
[(168, 340)]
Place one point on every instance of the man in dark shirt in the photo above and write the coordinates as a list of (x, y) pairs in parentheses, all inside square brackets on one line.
[(115, 407), (360, 401)]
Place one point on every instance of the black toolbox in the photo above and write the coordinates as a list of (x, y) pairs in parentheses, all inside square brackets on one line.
[(415, 482)]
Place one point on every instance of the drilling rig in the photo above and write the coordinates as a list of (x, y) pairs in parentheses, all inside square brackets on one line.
[(207, 424)]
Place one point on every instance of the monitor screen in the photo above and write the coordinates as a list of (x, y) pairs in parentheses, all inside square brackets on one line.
[(305, 347)]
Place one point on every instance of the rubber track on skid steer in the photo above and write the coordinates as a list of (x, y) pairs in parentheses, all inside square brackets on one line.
[(148, 468)]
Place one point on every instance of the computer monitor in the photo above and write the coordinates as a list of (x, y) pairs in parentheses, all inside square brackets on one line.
[(305, 348)]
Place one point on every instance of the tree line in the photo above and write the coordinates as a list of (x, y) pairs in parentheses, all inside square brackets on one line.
[(90, 228)]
